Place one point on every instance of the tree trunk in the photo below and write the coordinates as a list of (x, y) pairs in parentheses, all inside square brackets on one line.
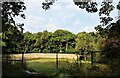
[(60, 47), (85, 56), (66, 46)]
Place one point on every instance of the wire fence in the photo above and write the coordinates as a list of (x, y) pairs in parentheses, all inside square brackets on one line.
[(55, 62), (86, 56)]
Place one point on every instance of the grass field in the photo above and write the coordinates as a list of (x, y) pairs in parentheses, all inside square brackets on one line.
[(48, 66), (66, 66), (45, 63)]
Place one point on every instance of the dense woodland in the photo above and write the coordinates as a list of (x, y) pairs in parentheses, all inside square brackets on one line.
[(62, 41)]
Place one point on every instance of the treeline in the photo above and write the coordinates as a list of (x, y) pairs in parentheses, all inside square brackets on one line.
[(62, 41)]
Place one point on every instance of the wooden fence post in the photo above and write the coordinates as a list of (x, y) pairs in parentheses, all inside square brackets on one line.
[(77, 57), (7, 57), (91, 57), (57, 61), (22, 59)]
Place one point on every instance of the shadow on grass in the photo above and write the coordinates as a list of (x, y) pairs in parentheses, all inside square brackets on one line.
[(16, 70), (73, 70)]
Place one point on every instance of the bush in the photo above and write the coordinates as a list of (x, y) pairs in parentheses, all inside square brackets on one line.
[(78, 69), (36, 50)]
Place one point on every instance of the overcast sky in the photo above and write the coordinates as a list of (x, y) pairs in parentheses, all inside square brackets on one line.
[(62, 15)]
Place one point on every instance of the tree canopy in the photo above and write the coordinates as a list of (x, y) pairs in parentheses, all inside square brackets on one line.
[(11, 31)]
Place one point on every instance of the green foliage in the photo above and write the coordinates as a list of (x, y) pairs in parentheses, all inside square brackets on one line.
[(10, 10), (87, 41), (28, 42), (59, 41), (112, 42), (43, 40), (86, 70), (62, 40), (89, 6), (36, 50), (11, 32), (11, 37)]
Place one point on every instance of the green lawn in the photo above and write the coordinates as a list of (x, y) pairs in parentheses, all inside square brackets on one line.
[(48, 66), (66, 67)]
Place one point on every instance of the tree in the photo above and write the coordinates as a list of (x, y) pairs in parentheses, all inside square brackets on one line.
[(11, 38), (28, 42), (85, 41), (11, 32), (38, 42), (10, 10), (43, 41), (63, 40), (112, 42)]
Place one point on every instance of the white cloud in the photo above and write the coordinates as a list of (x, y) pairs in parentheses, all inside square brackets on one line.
[(33, 23), (73, 6), (67, 17), (89, 29), (56, 7), (52, 27), (76, 23), (34, 0)]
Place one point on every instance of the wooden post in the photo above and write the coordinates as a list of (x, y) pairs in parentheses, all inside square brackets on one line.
[(91, 57), (85, 56), (77, 55), (22, 59), (7, 57), (57, 61), (22, 62), (80, 54)]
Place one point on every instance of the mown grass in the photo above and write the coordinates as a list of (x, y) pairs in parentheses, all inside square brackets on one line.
[(48, 66), (68, 68)]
